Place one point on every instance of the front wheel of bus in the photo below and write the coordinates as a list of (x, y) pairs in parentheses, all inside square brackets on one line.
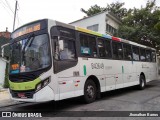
[(142, 82), (90, 91)]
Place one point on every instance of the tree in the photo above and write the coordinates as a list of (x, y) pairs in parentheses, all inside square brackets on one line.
[(93, 10), (139, 25), (116, 8), (142, 25)]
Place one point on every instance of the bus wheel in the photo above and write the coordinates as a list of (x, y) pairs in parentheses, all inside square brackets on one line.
[(142, 82), (90, 91)]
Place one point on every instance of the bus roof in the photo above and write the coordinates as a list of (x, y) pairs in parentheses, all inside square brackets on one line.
[(101, 35), (89, 32)]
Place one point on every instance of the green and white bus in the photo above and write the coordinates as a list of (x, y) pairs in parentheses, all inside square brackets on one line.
[(51, 60)]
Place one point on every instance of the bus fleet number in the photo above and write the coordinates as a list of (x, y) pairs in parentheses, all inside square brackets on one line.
[(97, 65)]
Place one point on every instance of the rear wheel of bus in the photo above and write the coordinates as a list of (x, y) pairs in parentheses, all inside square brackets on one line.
[(142, 82)]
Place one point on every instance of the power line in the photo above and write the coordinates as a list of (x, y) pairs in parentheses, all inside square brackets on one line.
[(5, 7), (9, 6)]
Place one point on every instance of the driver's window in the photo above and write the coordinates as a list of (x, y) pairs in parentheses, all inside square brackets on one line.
[(68, 53)]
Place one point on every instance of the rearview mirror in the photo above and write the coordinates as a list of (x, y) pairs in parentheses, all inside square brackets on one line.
[(2, 52), (61, 45)]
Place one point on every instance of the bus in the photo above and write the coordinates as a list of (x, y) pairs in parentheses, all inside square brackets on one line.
[(52, 61)]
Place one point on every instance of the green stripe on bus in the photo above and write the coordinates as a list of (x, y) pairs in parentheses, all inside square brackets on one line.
[(24, 85), (84, 70), (122, 69)]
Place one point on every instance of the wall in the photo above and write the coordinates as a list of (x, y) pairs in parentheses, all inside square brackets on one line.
[(112, 22), (97, 19), (2, 72)]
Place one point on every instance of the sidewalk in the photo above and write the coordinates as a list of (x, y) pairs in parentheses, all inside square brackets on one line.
[(5, 98)]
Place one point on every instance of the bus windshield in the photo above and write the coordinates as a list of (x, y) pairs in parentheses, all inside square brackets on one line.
[(30, 54)]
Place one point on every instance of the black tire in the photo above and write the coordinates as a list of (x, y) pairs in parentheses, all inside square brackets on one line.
[(90, 91), (142, 82)]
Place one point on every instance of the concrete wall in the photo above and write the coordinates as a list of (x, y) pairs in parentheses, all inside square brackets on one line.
[(100, 19), (2, 72), (111, 22), (97, 19)]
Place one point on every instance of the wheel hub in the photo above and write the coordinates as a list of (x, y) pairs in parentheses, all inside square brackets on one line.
[(90, 91)]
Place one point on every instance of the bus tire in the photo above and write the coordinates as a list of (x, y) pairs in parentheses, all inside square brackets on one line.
[(90, 91), (142, 82)]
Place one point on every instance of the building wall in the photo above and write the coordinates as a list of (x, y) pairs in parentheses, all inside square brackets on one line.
[(112, 22), (101, 19), (97, 19), (5, 34), (2, 72)]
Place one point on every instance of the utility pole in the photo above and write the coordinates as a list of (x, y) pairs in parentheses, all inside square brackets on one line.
[(15, 15)]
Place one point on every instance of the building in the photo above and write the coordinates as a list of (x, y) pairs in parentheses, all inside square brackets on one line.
[(104, 22), (5, 34), (4, 39)]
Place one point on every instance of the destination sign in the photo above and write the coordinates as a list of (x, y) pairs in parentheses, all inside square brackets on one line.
[(26, 30)]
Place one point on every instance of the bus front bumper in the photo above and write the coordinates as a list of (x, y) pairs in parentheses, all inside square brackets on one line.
[(43, 95)]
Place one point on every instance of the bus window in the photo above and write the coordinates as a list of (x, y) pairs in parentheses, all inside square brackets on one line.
[(127, 52), (142, 54), (135, 53), (101, 48), (153, 56), (88, 45), (117, 50), (148, 55), (69, 49), (108, 48), (92, 44)]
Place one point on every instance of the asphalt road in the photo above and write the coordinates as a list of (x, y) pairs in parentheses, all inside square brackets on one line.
[(127, 99)]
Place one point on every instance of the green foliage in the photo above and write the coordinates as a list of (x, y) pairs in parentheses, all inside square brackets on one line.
[(139, 25), (116, 8), (6, 81), (157, 26), (92, 10), (142, 25)]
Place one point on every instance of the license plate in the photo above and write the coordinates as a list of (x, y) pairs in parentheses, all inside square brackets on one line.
[(21, 95)]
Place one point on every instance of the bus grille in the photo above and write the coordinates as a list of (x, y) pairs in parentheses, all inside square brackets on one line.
[(27, 94)]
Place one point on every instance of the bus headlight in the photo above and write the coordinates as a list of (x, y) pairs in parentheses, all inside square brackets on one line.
[(42, 84)]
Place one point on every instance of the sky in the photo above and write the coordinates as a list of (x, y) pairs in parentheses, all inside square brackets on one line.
[(61, 10)]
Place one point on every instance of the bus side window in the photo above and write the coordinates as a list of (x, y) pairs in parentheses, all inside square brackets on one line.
[(153, 56), (108, 48), (101, 48), (148, 55), (127, 52), (92, 45), (117, 50), (135, 53), (69, 50), (88, 45), (142, 54)]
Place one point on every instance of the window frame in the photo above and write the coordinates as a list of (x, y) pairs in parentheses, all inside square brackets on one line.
[(85, 55), (104, 42), (141, 54), (113, 49), (130, 51), (138, 52)]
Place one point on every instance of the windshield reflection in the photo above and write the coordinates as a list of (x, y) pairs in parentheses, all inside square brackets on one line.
[(30, 54)]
